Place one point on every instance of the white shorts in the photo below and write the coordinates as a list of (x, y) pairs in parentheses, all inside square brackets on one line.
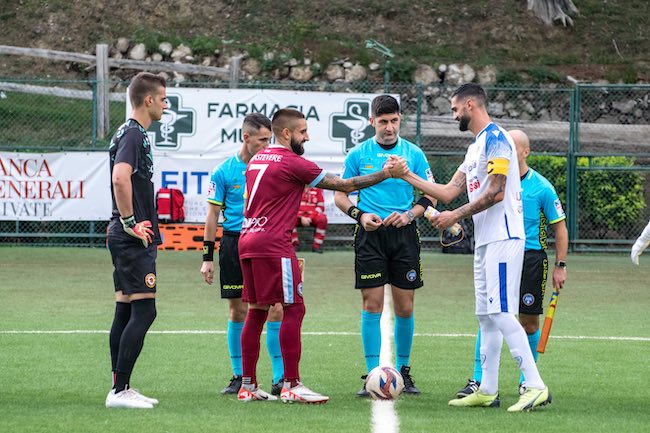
[(497, 276)]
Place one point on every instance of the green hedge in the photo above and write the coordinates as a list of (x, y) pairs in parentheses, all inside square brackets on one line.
[(610, 203)]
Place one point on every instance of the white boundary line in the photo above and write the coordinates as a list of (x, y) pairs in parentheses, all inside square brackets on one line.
[(384, 417), (342, 333)]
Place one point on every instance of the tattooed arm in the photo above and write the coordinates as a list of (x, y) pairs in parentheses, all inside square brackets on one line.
[(394, 167), (334, 182), (444, 193), (492, 195)]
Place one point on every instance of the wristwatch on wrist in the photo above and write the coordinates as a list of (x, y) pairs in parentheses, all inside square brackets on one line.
[(410, 215), (560, 264)]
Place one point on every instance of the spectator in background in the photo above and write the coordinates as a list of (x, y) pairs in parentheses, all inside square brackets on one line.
[(311, 214)]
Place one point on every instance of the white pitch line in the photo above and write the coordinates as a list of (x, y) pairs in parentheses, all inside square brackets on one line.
[(342, 333), (384, 416)]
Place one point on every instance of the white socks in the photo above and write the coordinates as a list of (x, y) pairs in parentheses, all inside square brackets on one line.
[(495, 328)]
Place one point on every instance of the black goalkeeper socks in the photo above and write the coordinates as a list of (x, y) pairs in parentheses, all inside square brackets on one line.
[(122, 316), (143, 313)]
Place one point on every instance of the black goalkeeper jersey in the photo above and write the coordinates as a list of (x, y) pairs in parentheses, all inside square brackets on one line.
[(131, 145)]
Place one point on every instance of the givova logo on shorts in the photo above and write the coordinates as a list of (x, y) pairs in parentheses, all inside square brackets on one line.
[(352, 126), (176, 122)]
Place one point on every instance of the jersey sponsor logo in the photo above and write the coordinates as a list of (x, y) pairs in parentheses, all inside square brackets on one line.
[(150, 280), (473, 184), (528, 299), (253, 225), (176, 122), (212, 187), (411, 275), (370, 276), (351, 126), (471, 166)]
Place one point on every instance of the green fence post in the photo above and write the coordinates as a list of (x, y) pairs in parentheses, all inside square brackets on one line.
[(572, 166), (419, 88)]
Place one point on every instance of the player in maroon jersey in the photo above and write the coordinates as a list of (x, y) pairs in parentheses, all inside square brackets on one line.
[(275, 179)]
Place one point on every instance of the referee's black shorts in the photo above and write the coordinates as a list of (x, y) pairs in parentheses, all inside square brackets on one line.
[(230, 276), (388, 255), (533, 282), (135, 265)]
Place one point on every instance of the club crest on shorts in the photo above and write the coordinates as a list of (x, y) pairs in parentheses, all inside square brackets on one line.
[(528, 299), (150, 280), (411, 275), (300, 289)]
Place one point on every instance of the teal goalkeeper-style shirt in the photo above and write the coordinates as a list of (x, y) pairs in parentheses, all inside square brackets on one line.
[(390, 195), (542, 207), (226, 189)]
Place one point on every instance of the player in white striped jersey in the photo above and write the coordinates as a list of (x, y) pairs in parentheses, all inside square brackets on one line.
[(490, 176)]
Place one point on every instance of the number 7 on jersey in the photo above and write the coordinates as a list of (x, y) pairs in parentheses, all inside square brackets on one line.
[(260, 168)]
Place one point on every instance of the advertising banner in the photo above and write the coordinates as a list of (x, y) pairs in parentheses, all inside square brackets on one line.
[(55, 186)]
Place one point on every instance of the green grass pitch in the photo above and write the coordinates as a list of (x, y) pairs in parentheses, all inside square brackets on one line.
[(57, 382)]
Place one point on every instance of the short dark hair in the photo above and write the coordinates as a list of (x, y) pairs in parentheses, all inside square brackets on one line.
[(384, 104), (284, 118), (471, 90), (143, 84), (254, 122)]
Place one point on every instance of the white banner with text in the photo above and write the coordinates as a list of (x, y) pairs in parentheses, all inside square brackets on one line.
[(55, 186)]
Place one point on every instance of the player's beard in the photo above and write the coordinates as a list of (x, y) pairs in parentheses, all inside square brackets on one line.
[(463, 123), (297, 147)]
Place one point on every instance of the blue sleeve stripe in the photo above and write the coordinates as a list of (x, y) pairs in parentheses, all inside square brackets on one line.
[(318, 179)]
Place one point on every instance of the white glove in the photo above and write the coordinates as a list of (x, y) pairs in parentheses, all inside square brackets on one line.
[(640, 245), (637, 249)]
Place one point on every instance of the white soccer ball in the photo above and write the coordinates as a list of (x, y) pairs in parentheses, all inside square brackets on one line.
[(384, 383)]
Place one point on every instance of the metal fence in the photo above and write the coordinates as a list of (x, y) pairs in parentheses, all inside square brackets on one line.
[(592, 142)]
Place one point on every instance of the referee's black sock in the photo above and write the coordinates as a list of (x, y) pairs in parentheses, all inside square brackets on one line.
[(143, 313), (122, 316)]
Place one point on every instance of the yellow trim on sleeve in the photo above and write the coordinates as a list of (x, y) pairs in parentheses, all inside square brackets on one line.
[(557, 220), (214, 202), (498, 166)]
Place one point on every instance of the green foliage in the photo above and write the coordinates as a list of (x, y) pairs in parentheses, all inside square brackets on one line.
[(151, 40), (508, 76), (204, 45), (626, 74), (610, 202), (401, 70), (542, 74)]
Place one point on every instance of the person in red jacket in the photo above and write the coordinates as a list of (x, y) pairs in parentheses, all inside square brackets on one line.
[(311, 214)]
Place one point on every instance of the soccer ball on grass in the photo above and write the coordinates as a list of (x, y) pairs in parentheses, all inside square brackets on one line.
[(384, 383)]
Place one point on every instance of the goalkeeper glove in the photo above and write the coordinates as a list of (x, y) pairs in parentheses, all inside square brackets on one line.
[(141, 230)]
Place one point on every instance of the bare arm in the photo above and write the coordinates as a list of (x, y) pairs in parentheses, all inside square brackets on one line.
[(334, 182), (122, 188), (209, 234), (210, 230), (561, 250), (444, 193), (492, 195)]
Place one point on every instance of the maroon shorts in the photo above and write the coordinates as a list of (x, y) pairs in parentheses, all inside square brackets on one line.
[(269, 280)]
